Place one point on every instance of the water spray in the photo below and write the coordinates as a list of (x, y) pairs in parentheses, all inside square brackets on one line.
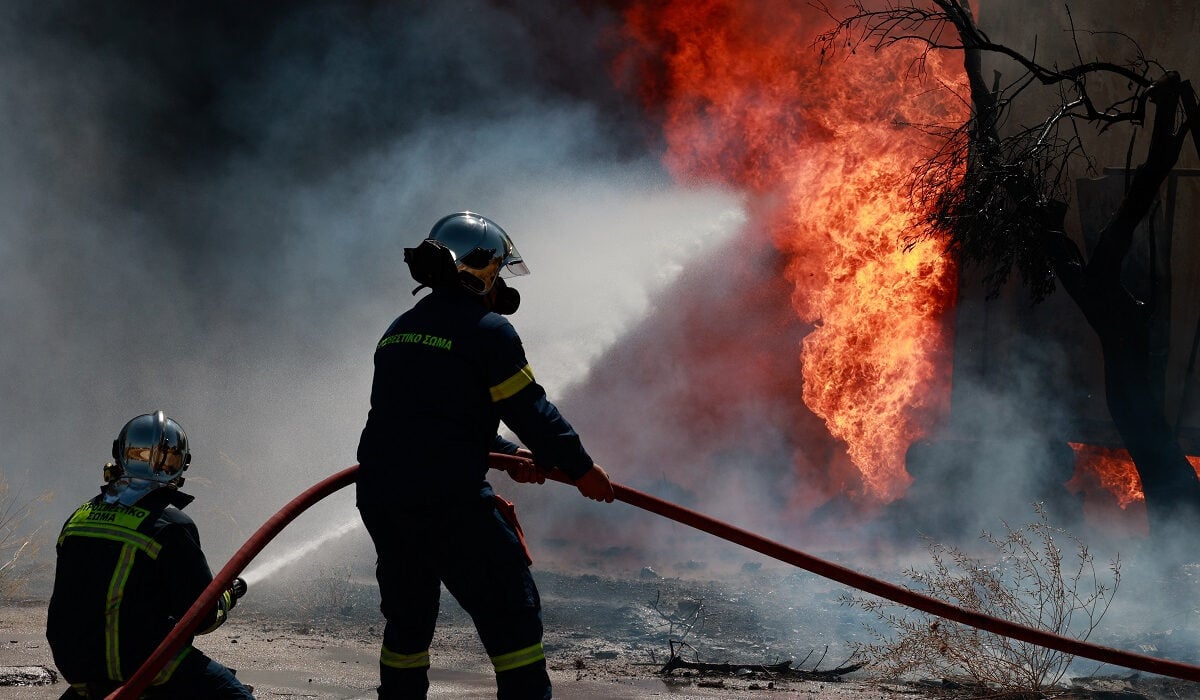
[(187, 625), (191, 620), (270, 566)]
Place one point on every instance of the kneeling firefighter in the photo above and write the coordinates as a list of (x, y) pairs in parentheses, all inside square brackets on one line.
[(129, 566), (447, 372)]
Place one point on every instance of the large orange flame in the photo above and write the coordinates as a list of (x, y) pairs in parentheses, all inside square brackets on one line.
[(746, 101)]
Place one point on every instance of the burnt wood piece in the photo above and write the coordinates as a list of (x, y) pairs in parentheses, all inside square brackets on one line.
[(780, 669)]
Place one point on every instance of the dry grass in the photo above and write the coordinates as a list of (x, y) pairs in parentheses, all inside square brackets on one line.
[(327, 591), (1030, 581), (17, 537)]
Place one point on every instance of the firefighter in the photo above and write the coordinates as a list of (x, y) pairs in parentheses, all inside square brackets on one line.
[(129, 566), (447, 372)]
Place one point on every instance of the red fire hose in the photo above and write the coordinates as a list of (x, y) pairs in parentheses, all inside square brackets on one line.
[(880, 588), (203, 606), (187, 625)]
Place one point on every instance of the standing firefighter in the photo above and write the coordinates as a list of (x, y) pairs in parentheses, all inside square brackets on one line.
[(446, 373), (130, 566)]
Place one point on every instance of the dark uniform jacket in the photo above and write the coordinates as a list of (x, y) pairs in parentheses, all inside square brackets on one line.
[(125, 575), (446, 373)]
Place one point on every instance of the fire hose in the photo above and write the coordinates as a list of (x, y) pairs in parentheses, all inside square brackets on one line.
[(185, 628), (187, 625)]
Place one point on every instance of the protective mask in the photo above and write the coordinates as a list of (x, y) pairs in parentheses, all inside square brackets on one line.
[(505, 300)]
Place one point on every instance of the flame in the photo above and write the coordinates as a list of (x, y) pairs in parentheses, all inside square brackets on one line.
[(1111, 487), (745, 101), (1114, 469)]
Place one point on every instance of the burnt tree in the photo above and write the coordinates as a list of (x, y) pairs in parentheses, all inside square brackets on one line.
[(996, 194)]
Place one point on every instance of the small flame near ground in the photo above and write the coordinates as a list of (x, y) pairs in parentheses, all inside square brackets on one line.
[(1112, 490)]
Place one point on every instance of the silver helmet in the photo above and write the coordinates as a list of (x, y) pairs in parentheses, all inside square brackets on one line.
[(482, 250), (151, 447)]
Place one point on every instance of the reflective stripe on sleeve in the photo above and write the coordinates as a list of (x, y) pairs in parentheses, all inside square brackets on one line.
[(515, 383), (224, 605), (517, 659), (169, 670), (387, 657)]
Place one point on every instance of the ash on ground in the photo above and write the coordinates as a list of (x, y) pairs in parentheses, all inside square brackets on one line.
[(628, 622)]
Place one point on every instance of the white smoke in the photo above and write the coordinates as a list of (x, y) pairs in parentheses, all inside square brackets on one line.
[(203, 211)]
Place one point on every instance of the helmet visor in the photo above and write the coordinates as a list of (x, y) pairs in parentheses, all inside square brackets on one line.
[(493, 250), (513, 265), (165, 458)]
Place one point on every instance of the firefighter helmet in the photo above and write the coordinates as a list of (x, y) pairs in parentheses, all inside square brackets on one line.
[(151, 447), (482, 250)]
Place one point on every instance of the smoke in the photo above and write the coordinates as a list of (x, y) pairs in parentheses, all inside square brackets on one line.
[(204, 209), (700, 402)]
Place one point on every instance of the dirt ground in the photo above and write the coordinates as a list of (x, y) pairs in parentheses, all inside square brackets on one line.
[(607, 637), (320, 639), (339, 661)]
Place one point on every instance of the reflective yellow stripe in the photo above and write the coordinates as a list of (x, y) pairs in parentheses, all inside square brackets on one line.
[(387, 657), (129, 517), (116, 523), (519, 658), (112, 610), (515, 383), (169, 670), (224, 603), (111, 522), (115, 533)]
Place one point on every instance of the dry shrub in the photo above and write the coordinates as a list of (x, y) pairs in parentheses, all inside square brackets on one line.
[(1030, 581), (17, 537)]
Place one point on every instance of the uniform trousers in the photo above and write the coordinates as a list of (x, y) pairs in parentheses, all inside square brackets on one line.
[(197, 678), (477, 555)]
